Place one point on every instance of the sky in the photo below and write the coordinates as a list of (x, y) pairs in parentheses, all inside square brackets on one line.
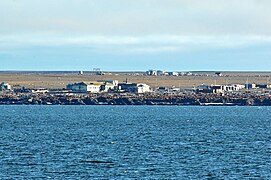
[(135, 35)]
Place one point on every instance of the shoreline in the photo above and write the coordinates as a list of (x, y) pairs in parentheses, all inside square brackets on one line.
[(112, 99)]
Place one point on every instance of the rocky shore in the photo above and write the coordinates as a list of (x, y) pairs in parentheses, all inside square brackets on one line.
[(180, 99)]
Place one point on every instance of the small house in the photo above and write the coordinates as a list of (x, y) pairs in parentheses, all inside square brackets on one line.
[(83, 87), (134, 87), (4, 86), (106, 87)]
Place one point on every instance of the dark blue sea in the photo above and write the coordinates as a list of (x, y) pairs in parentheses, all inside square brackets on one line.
[(135, 142)]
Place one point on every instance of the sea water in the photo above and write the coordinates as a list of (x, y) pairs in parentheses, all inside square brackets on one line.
[(135, 142)]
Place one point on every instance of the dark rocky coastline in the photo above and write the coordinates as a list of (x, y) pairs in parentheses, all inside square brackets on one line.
[(238, 99)]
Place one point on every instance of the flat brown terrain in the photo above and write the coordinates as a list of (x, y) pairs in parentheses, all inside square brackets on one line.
[(53, 81)]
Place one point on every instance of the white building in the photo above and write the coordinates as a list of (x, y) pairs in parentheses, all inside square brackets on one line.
[(188, 74), (220, 88), (250, 86), (93, 87), (4, 86), (84, 87), (114, 82), (151, 72), (143, 88), (134, 87), (160, 73), (233, 87), (40, 90), (107, 87), (173, 73)]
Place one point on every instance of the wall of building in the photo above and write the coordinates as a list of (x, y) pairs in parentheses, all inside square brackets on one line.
[(93, 88)]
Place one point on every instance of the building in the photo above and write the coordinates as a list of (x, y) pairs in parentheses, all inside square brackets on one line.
[(188, 74), (4, 86), (134, 87), (233, 87), (160, 73), (210, 89), (83, 87), (162, 89), (219, 88), (263, 86), (173, 73), (40, 90), (182, 74), (106, 87), (114, 82), (77, 87), (250, 86), (204, 89), (143, 88), (151, 73), (218, 74), (239, 87), (94, 87)]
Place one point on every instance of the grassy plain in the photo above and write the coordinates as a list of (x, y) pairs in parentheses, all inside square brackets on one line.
[(55, 81)]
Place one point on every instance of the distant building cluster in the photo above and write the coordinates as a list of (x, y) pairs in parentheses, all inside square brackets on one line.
[(165, 73), (113, 86), (93, 87), (108, 86), (229, 88), (219, 88), (161, 73)]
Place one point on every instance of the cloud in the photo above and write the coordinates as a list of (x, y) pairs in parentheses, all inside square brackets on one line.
[(134, 27), (133, 44), (127, 17)]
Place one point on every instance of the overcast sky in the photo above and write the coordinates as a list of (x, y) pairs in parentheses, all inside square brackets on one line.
[(182, 35)]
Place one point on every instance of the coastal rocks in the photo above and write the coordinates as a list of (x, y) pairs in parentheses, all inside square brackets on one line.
[(135, 99), (89, 101), (250, 102)]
